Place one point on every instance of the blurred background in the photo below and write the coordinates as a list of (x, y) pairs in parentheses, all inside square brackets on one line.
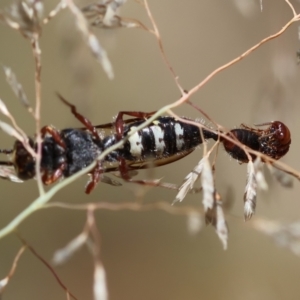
[(151, 255)]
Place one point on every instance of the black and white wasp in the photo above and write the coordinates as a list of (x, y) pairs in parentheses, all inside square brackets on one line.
[(67, 151), (165, 140)]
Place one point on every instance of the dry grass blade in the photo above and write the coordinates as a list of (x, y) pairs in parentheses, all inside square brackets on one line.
[(250, 192), (64, 254), (207, 181), (100, 286), (16, 87), (189, 182), (91, 40)]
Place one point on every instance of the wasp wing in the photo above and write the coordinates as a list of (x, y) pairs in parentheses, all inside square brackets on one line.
[(146, 163)]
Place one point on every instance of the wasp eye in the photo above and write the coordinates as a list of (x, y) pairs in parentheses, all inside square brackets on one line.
[(281, 132)]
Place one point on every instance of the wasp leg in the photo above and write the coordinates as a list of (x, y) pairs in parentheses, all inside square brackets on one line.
[(86, 122), (96, 176), (124, 169), (7, 151), (6, 163), (120, 122), (55, 134), (124, 172), (57, 174)]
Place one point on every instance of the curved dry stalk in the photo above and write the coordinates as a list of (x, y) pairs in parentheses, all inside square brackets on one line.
[(4, 282), (36, 51), (132, 206), (161, 47), (292, 7), (48, 266)]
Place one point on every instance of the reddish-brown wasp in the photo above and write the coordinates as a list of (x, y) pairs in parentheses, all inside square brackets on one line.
[(274, 141)]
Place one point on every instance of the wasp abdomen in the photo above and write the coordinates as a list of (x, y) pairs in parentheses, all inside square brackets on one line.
[(244, 136), (164, 137)]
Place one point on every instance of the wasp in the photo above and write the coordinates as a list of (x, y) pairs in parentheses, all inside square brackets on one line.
[(165, 140), (274, 141), (67, 151)]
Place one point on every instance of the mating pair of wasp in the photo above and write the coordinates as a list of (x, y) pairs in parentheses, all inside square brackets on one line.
[(165, 140)]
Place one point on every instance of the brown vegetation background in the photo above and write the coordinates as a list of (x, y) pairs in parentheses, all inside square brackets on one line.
[(150, 255)]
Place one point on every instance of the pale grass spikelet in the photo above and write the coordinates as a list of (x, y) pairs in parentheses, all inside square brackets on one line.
[(25, 16), (3, 284), (16, 86), (259, 175), (91, 40), (216, 217), (108, 17), (101, 55), (105, 15), (194, 222), (250, 192), (3, 109), (282, 177), (207, 181), (189, 182), (221, 225), (9, 174), (100, 286), (261, 181), (64, 254)]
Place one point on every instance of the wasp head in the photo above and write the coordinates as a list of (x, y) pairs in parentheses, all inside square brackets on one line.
[(23, 161)]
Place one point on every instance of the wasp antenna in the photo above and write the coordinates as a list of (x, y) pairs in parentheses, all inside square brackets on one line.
[(87, 123), (65, 101), (263, 124)]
